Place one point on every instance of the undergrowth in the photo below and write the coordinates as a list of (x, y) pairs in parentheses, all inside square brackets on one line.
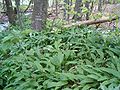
[(71, 59)]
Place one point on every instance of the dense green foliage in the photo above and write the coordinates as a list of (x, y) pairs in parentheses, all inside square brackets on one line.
[(74, 59)]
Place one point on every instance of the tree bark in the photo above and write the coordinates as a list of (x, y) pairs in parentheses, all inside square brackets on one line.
[(87, 4), (78, 5), (100, 5), (10, 11), (68, 3), (39, 14), (56, 6), (65, 10), (17, 2)]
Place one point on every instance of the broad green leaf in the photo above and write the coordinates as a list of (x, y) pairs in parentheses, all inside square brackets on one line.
[(87, 81), (116, 51), (93, 76), (103, 87), (107, 82), (100, 52), (86, 87), (39, 66), (9, 37), (111, 71), (10, 88), (56, 84), (66, 89), (57, 59), (110, 53), (93, 56), (93, 89), (91, 71), (57, 44), (70, 76), (26, 32), (30, 52), (103, 78), (67, 53)]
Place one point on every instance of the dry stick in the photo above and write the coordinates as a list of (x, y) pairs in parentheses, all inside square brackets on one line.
[(91, 22), (28, 6)]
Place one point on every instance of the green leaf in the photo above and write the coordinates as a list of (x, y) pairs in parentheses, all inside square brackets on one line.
[(68, 76), (86, 87), (90, 70), (7, 38), (116, 51), (30, 52), (103, 78), (100, 52), (26, 32), (87, 81), (66, 89), (39, 66), (57, 59), (107, 82), (71, 62), (110, 53), (93, 56), (57, 44), (93, 76), (103, 87), (56, 84), (10, 88), (111, 71), (67, 53)]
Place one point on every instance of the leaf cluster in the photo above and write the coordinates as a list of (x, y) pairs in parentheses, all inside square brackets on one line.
[(74, 59)]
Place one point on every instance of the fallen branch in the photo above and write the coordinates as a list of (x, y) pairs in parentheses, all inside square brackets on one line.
[(28, 6), (91, 22)]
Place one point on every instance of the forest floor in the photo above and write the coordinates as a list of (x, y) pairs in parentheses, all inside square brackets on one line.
[(108, 10), (111, 10)]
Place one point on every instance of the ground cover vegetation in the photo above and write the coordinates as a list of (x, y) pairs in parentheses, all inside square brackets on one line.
[(61, 59), (59, 45)]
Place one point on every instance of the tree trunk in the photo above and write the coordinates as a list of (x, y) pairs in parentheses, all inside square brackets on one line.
[(87, 6), (65, 10), (68, 3), (39, 14), (56, 6), (10, 11), (78, 5), (100, 5), (17, 2)]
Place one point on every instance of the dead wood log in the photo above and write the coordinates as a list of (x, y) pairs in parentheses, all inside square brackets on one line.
[(91, 22)]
